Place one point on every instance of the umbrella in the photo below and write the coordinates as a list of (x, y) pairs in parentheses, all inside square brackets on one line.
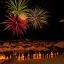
[(19, 43), (30, 48), (60, 44), (1, 50), (20, 48), (6, 45), (13, 44), (40, 48), (6, 49)]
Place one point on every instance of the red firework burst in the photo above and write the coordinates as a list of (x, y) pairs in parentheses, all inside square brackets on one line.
[(15, 24)]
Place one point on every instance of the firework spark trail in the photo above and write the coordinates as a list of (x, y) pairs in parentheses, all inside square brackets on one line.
[(37, 18), (17, 7), (17, 26)]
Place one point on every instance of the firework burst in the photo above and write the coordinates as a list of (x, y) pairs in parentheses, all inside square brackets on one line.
[(17, 7), (16, 21), (37, 18), (62, 20), (16, 26)]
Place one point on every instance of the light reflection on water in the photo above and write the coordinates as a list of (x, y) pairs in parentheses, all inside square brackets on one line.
[(2, 57), (28, 56)]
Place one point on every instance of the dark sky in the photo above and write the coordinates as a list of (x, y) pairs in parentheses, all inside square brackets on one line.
[(54, 29)]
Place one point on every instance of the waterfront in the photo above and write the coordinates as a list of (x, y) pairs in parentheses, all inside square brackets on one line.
[(30, 50)]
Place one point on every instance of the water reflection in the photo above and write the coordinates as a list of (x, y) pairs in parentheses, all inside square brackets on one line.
[(2, 57), (27, 55)]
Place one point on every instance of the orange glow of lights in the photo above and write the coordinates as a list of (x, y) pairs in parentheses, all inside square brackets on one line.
[(2, 57), (51, 54), (22, 57), (39, 55), (23, 16)]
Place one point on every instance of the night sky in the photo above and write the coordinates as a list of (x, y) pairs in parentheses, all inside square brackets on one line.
[(54, 29)]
